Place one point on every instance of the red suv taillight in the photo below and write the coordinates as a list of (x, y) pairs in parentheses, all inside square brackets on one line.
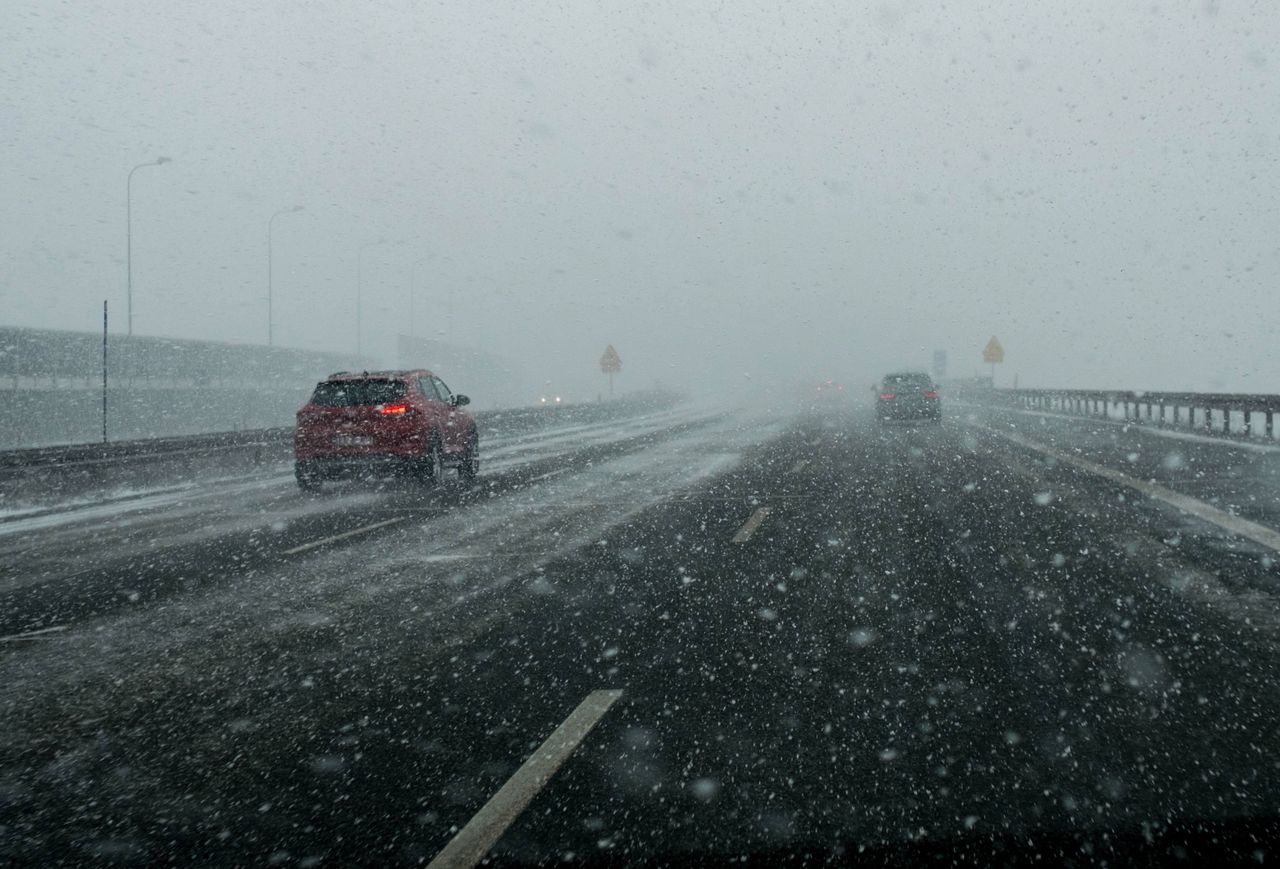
[(398, 409)]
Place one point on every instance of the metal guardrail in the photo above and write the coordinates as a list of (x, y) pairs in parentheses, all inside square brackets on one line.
[(1208, 412)]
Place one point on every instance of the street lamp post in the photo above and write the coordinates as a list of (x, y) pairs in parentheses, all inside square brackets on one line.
[(128, 231), (271, 269)]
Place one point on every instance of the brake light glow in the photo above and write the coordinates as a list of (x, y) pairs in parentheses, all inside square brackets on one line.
[(888, 396), (932, 393), (393, 408)]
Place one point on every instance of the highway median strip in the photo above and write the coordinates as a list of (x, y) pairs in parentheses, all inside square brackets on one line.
[(749, 527), (343, 536), (1237, 525), (484, 829)]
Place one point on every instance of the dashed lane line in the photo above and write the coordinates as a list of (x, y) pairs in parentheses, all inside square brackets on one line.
[(1237, 525), (473, 841), (749, 527), (799, 466), (343, 536)]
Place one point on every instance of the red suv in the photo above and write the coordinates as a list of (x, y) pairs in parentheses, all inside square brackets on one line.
[(384, 421)]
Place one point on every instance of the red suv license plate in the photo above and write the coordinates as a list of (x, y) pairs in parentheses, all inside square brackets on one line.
[(352, 440)]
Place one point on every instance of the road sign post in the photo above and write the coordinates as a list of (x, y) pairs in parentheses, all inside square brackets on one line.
[(994, 354), (610, 364), (104, 371)]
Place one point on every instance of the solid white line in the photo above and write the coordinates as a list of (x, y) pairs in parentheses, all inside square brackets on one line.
[(1268, 537), (40, 634), (551, 474), (473, 841), (749, 527), (799, 466), (343, 536)]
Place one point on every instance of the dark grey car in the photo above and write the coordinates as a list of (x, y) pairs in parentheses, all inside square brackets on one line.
[(908, 395)]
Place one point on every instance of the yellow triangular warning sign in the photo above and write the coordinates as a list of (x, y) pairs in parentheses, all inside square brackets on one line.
[(993, 352), (610, 363)]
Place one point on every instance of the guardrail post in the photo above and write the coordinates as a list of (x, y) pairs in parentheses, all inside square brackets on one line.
[(1208, 419), (1226, 422), (1248, 422), (1271, 428)]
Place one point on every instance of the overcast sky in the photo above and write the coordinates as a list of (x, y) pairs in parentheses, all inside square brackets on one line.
[(728, 192)]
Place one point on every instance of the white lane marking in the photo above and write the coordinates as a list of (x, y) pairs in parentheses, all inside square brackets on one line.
[(749, 527), (799, 466), (343, 536), (474, 840), (1242, 527), (550, 474), (40, 634)]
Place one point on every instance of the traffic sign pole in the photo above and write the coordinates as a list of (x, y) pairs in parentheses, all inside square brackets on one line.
[(610, 364), (994, 354)]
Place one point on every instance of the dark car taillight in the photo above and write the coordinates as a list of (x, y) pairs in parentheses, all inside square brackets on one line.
[(888, 396), (932, 393)]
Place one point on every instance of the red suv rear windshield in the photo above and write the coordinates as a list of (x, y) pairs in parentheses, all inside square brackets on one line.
[(351, 393)]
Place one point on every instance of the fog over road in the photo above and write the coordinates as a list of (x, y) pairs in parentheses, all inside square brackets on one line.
[(827, 635)]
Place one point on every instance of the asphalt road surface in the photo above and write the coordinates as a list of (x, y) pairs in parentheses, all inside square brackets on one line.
[(763, 636)]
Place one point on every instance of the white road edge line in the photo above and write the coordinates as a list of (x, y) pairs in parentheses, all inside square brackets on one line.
[(343, 536), (1237, 525), (749, 527), (39, 634), (473, 841), (550, 475)]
